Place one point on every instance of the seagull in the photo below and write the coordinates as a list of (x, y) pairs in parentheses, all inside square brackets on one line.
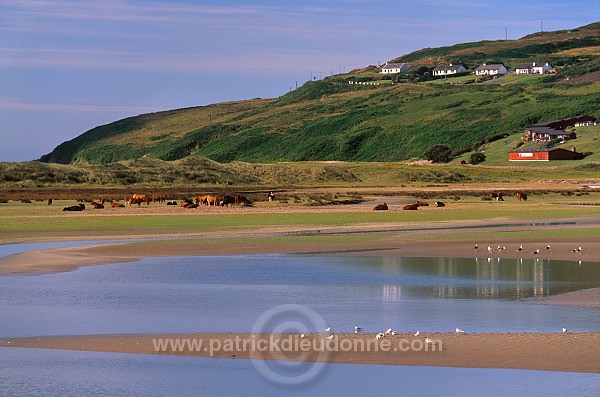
[(302, 336), (578, 250), (428, 340), (459, 331), (536, 252), (379, 336), (564, 330), (327, 329), (388, 331), (393, 333), (490, 250), (330, 337), (520, 248), (548, 247), (476, 247), (417, 333), (357, 329)]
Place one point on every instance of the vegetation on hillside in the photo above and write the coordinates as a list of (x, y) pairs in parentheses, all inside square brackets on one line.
[(332, 119)]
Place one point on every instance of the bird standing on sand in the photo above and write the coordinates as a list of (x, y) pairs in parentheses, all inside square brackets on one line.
[(536, 252), (520, 248), (388, 331), (490, 250), (548, 247), (417, 333), (564, 330), (459, 331), (357, 329), (476, 247), (302, 336), (578, 250), (330, 337)]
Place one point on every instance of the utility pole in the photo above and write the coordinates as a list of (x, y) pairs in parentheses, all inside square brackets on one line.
[(506, 34), (541, 27)]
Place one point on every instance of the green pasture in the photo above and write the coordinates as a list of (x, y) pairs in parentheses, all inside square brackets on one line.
[(21, 222)]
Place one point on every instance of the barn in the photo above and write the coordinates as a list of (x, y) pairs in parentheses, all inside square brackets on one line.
[(547, 154)]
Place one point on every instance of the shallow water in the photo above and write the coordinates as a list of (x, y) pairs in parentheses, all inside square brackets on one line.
[(211, 294), (27, 372)]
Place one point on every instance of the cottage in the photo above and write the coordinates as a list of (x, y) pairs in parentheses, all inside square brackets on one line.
[(394, 68), (446, 70), (547, 154), (556, 129), (491, 70), (533, 69)]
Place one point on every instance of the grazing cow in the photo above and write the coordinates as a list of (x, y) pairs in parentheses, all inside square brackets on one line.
[(212, 200), (172, 202), (49, 200), (242, 200), (227, 200), (159, 198), (410, 207), (271, 196), (381, 207), (422, 204), (97, 206), (78, 207), (521, 196), (496, 196), (141, 198), (116, 205), (439, 204)]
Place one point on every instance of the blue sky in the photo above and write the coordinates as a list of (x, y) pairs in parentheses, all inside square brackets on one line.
[(67, 66)]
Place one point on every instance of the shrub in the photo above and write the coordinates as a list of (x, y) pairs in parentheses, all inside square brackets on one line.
[(477, 158), (438, 153)]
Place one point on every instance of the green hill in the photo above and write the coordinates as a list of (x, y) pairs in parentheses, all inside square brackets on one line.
[(387, 118)]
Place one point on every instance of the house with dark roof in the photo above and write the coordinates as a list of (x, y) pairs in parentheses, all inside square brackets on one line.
[(532, 68), (547, 154), (556, 129), (491, 70), (394, 68), (447, 70)]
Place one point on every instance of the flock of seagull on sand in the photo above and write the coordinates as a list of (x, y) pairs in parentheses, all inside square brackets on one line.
[(536, 252), (391, 332)]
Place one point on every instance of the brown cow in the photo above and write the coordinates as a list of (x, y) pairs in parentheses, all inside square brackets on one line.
[(381, 207), (212, 200), (422, 204), (49, 200), (242, 200), (97, 206), (116, 205), (78, 207), (159, 198), (410, 207), (521, 196)]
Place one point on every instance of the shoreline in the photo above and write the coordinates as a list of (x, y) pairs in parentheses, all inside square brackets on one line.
[(565, 352)]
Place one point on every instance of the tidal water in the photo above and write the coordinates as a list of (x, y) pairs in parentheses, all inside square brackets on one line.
[(211, 294)]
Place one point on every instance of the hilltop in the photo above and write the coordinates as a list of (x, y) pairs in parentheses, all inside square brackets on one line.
[(386, 118)]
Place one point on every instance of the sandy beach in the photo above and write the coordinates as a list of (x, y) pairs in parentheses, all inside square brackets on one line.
[(568, 352)]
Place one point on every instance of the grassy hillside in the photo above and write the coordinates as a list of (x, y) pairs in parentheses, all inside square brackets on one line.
[(334, 120)]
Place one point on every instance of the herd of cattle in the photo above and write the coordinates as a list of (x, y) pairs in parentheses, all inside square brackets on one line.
[(498, 196), (231, 200), (139, 199)]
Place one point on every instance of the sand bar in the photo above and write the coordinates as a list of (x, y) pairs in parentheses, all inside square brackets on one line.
[(568, 352)]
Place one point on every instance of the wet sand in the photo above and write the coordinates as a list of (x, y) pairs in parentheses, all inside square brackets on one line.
[(568, 352)]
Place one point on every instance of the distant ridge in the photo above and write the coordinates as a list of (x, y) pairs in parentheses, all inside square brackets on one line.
[(372, 120)]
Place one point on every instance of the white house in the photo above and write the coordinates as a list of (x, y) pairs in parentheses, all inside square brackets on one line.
[(394, 68), (491, 70), (446, 70), (532, 68)]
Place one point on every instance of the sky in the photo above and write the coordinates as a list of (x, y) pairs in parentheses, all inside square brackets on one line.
[(67, 66)]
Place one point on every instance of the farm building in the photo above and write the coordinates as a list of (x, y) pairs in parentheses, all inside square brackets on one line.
[(447, 70), (533, 69), (491, 70), (548, 154), (556, 129), (394, 68)]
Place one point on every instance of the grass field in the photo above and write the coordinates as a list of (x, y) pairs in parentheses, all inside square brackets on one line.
[(22, 222)]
